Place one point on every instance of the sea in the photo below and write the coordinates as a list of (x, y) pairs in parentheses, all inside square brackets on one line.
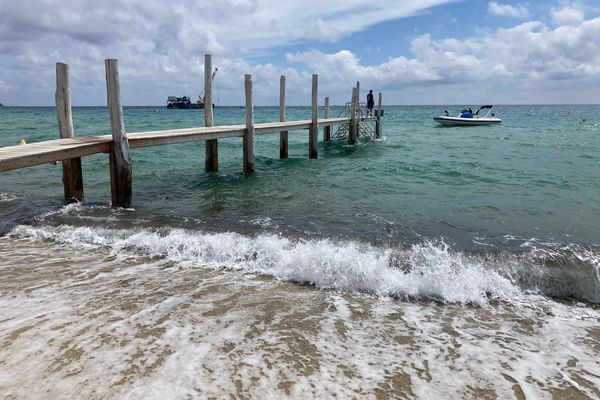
[(435, 263)]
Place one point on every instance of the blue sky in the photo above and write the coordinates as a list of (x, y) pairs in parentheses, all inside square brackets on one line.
[(415, 52)]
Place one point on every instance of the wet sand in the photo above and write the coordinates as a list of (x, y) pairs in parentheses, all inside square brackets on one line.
[(85, 323)]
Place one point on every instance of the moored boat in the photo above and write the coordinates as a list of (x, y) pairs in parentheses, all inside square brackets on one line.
[(467, 118), (185, 102)]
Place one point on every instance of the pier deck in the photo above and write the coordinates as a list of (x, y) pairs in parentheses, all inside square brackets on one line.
[(69, 149), (28, 155)]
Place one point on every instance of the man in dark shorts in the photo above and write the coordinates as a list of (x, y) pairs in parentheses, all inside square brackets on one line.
[(370, 103)]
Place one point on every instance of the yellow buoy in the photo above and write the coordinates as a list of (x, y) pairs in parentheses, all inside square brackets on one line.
[(22, 141)]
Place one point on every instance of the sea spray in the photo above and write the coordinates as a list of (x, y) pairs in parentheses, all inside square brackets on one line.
[(430, 270)]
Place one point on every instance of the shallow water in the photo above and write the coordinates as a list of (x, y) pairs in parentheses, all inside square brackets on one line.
[(437, 263)]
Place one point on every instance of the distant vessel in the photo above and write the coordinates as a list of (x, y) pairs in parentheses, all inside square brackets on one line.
[(466, 118), (185, 102)]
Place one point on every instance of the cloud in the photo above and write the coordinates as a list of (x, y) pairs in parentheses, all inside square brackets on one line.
[(568, 15), (507, 10), (515, 65), (161, 44), (160, 47)]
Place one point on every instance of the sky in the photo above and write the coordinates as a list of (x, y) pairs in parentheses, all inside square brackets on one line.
[(412, 51)]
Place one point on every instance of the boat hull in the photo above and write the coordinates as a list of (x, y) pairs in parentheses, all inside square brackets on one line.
[(457, 121), (185, 106)]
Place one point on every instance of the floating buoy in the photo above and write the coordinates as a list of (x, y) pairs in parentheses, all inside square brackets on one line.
[(22, 141)]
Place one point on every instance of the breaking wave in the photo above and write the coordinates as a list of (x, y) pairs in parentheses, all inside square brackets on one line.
[(429, 270)]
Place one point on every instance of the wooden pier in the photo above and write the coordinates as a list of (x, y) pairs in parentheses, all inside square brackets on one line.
[(69, 149)]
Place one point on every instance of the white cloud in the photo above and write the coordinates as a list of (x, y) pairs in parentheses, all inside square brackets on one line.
[(568, 15), (160, 47), (511, 65), (507, 10), (161, 44)]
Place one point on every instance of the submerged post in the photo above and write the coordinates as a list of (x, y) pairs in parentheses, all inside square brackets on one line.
[(357, 107), (313, 138), (378, 119), (72, 175), (120, 160), (352, 126), (249, 162), (283, 135), (211, 149), (326, 129)]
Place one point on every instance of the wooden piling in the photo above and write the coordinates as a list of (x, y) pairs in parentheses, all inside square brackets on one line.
[(211, 147), (326, 129), (72, 174), (378, 119), (283, 135), (120, 160), (313, 147), (352, 132), (357, 106), (249, 162)]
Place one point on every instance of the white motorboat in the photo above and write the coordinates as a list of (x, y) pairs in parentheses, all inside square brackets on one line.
[(467, 118)]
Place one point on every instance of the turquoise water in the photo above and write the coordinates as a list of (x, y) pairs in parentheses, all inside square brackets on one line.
[(537, 175), (436, 263)]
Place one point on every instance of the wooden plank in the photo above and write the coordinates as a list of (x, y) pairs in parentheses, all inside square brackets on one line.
[(121, 181), (157, 138), (248, 142), (283, 135), (313, 137), (71, 169), (29, 155), (270, 127), (211, 146), (22, 156)]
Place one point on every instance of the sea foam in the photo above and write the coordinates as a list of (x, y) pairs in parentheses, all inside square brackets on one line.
[(429, 270)]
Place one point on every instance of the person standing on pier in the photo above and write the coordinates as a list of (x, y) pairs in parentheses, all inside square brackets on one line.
[(370, 103)]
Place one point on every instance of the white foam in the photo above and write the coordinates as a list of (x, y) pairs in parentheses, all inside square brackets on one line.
[(81, 324), (8, 197), (429, 270)]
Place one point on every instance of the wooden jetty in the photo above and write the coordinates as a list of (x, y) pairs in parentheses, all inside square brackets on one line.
[(69, 149)]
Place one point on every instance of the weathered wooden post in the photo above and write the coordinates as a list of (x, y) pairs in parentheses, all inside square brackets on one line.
[(357, 106), (120, 160), (72, 175), (211, 147), (249, 162), (352, 126), (283, 135), (326, 129), (377, 121), (313, 140)]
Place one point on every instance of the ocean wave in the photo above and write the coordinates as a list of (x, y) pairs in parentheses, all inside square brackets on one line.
[(429, 270), (7, 197)]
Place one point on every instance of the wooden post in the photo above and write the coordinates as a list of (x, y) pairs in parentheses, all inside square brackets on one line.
[(326, 129), (249, 162), (120, 160), (72, 175), (352, 126), (211, 147), (313, 138), (283, 135), (357, 106), (377, 121)]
